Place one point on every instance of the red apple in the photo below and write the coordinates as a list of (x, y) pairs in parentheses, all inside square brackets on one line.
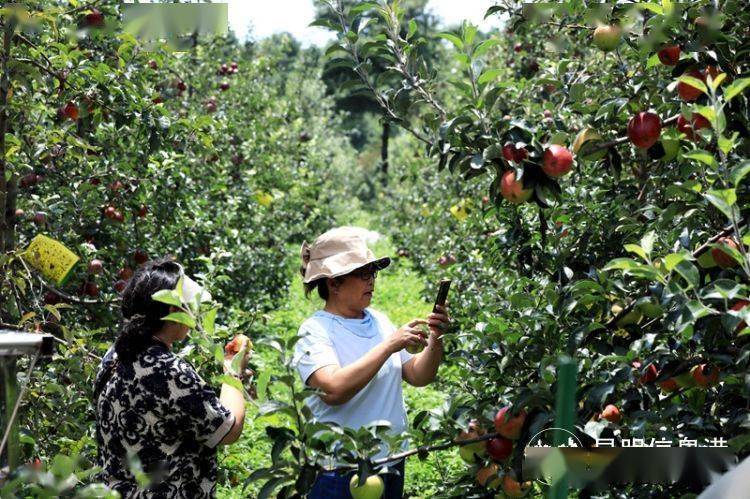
[(210, 106), (688, 128), (181, 86), (70, 111), (518, 47), (612, 414), (668, 385), (94, 18), (224, 86), (40, 218), (152, 64), (512, 189), (669, 55), (722, 258), (687, 92), (557, 161), (109, 212), (649, 375), (233, 65), (19, 213), (513, 488), (705, 375), (507, 425), (120, 285), (487, 476), (90, 289), (224, 69), (29, 180), (118, 216), (96, 267), (644, 129), (125, 273), (51, 298), (142, 211), (140, 256), (514, 154), (547, 113), (739, 305), (499, 448)]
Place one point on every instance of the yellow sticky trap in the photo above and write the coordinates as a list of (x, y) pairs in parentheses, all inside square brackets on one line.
[(51, 258), (264, 198)]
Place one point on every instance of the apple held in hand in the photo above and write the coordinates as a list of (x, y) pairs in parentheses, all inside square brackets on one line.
[(644, 129), (415, 349), (372, 488), (512, 190), (509, 426), (237, 344)]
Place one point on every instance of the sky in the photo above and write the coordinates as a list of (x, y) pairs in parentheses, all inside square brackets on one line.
[(265, 17)]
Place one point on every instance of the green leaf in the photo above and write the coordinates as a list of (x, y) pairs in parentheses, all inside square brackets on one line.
[(704, 157), (634, 248), (671, 260), (453, 39), (168, 296), (739, 172), (209, 321), (690, 272), (483, 47), (180, 317), (262, 384), (655, 8), (693, 82), (647, 242), (362, 7), (727, 144), (231, 381), (736, 88), (725, 200), (412, 29), (488, 75)]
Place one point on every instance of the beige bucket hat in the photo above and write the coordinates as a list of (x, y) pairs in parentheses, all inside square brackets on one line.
[(338, 252)]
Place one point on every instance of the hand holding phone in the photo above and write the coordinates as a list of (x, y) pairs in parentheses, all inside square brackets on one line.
[(442, 296)]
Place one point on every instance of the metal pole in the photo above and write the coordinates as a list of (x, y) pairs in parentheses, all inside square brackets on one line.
[(10, 394), (565, 411)]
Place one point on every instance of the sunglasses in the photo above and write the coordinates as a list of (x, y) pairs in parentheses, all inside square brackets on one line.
[(365, 275)]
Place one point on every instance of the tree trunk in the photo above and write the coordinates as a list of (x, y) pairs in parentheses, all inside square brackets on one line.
[(384, 151)]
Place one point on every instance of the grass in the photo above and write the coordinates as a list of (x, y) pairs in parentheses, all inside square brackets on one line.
[(397, 294)]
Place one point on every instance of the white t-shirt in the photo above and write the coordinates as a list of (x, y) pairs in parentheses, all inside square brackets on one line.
[(328, 339)]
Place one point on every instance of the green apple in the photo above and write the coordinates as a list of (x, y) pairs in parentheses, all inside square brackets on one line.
[(607, 38), (469, 453), (372, 488)]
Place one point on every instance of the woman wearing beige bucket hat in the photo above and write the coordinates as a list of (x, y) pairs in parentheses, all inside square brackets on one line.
[(354, 354)]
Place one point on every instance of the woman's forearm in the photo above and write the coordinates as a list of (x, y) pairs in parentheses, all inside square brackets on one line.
[(234, 400), (427, 362), (341, 384)]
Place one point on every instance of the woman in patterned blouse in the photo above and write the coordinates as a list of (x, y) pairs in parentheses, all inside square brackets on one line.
[(154, 413)]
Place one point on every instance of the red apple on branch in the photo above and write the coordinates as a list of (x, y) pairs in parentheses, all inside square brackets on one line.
[(644, 129), (499, 448), (557, 161), (96, 267), (739, 305), (690, 127), (705, 375), (669, 55), (512, 189), (722, 258), (687, 92), (507, 425)]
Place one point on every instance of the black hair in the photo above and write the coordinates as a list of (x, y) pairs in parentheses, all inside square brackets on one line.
[(141, 314)]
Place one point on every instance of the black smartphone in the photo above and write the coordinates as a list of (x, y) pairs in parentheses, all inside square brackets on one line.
[(442, 296)]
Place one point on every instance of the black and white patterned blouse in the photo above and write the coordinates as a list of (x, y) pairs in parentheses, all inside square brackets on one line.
[(159, 412)]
